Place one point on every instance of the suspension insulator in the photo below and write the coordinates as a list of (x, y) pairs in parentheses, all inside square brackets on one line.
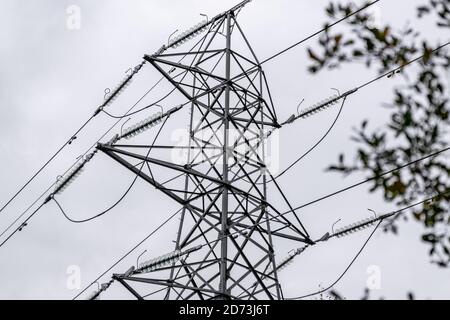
[(64, 182), (359, 225), (163, 261), (188, 34)]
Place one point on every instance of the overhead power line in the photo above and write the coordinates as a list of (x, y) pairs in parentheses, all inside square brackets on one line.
[(373, 178), (403, 65), (121, 87), (345, 271), (129, 252), (344, 96), (356, 185), (224, 189), (110, 98), (73, 137), (320, 31), (45, 164), (19, 228), (128, 113), (205, 184), (60, 187), (314, 146), (121, 198), (393, 214), (296, 252), (44, 193)]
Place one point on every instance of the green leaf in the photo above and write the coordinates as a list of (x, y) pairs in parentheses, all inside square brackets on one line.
[(313, 56), (357, 53), (348, 43)]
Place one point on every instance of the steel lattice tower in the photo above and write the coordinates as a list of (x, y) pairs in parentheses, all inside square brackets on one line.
[(222, 185)]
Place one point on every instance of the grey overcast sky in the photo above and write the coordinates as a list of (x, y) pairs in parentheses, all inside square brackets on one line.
[(52, 78)]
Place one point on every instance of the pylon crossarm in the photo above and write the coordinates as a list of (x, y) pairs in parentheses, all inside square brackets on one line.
[(274, 233), (177, 54), (111, 152), (121, 280), (154, 61), (165, 283)]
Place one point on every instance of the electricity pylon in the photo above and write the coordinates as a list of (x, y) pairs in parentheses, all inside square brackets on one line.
[(225, 240)]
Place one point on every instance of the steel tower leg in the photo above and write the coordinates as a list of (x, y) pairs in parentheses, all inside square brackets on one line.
[(224, 214)]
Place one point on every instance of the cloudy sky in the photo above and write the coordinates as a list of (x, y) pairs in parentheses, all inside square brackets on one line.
[(53, 78)]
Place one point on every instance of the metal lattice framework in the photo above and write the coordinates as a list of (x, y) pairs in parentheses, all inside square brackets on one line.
[(222, 188), (224, 247)]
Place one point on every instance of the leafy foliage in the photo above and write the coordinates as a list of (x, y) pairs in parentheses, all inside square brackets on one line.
[(419, 115), (442, 10)]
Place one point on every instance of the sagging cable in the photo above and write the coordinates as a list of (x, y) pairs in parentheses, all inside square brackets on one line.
[(163, 261), (318, 107), (63, 182)]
